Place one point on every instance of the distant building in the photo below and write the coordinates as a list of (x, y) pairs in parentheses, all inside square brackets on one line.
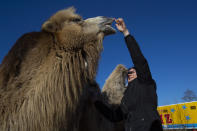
[(179, 116)]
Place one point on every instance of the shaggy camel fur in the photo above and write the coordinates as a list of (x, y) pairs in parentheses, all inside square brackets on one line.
[(113, 88), (45, 76), (111, 95), (113, 91)]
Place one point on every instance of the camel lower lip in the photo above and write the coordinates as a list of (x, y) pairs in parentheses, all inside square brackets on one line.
[(109, 30)]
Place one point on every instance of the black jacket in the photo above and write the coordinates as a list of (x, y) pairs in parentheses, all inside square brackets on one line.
[(139, 104)]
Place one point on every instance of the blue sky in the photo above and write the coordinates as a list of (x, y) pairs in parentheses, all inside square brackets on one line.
[(166, 31)]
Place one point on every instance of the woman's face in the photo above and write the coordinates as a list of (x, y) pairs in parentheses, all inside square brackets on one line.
[(132, 74)]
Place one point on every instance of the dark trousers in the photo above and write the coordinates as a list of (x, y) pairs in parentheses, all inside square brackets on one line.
[(156, 126)]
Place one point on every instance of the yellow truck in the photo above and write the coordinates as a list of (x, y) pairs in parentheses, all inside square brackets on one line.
[(179, 116)]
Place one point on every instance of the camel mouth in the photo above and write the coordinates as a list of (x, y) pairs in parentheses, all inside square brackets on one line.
[(103, 23), (106, 26), (109, 30)]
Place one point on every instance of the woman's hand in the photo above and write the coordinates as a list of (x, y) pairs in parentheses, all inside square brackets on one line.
[(121, 26)]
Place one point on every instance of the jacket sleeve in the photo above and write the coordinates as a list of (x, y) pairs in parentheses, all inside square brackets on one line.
[(112, 115), (139, 61)]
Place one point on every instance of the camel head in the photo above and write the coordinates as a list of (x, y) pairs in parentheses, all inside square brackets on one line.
[(71, 30)]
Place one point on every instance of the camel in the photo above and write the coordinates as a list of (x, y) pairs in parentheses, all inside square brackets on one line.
[(46, 76)]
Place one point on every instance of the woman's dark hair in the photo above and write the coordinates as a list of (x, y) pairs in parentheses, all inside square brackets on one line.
[(132, 68)]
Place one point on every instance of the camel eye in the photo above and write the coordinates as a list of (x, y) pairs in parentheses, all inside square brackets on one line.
[(76, 20)]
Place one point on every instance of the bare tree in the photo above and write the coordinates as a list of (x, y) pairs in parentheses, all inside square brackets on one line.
[(189, 95)]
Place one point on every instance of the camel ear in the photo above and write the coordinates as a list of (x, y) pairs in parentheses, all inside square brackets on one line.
[(49, 26), (71, 9)]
